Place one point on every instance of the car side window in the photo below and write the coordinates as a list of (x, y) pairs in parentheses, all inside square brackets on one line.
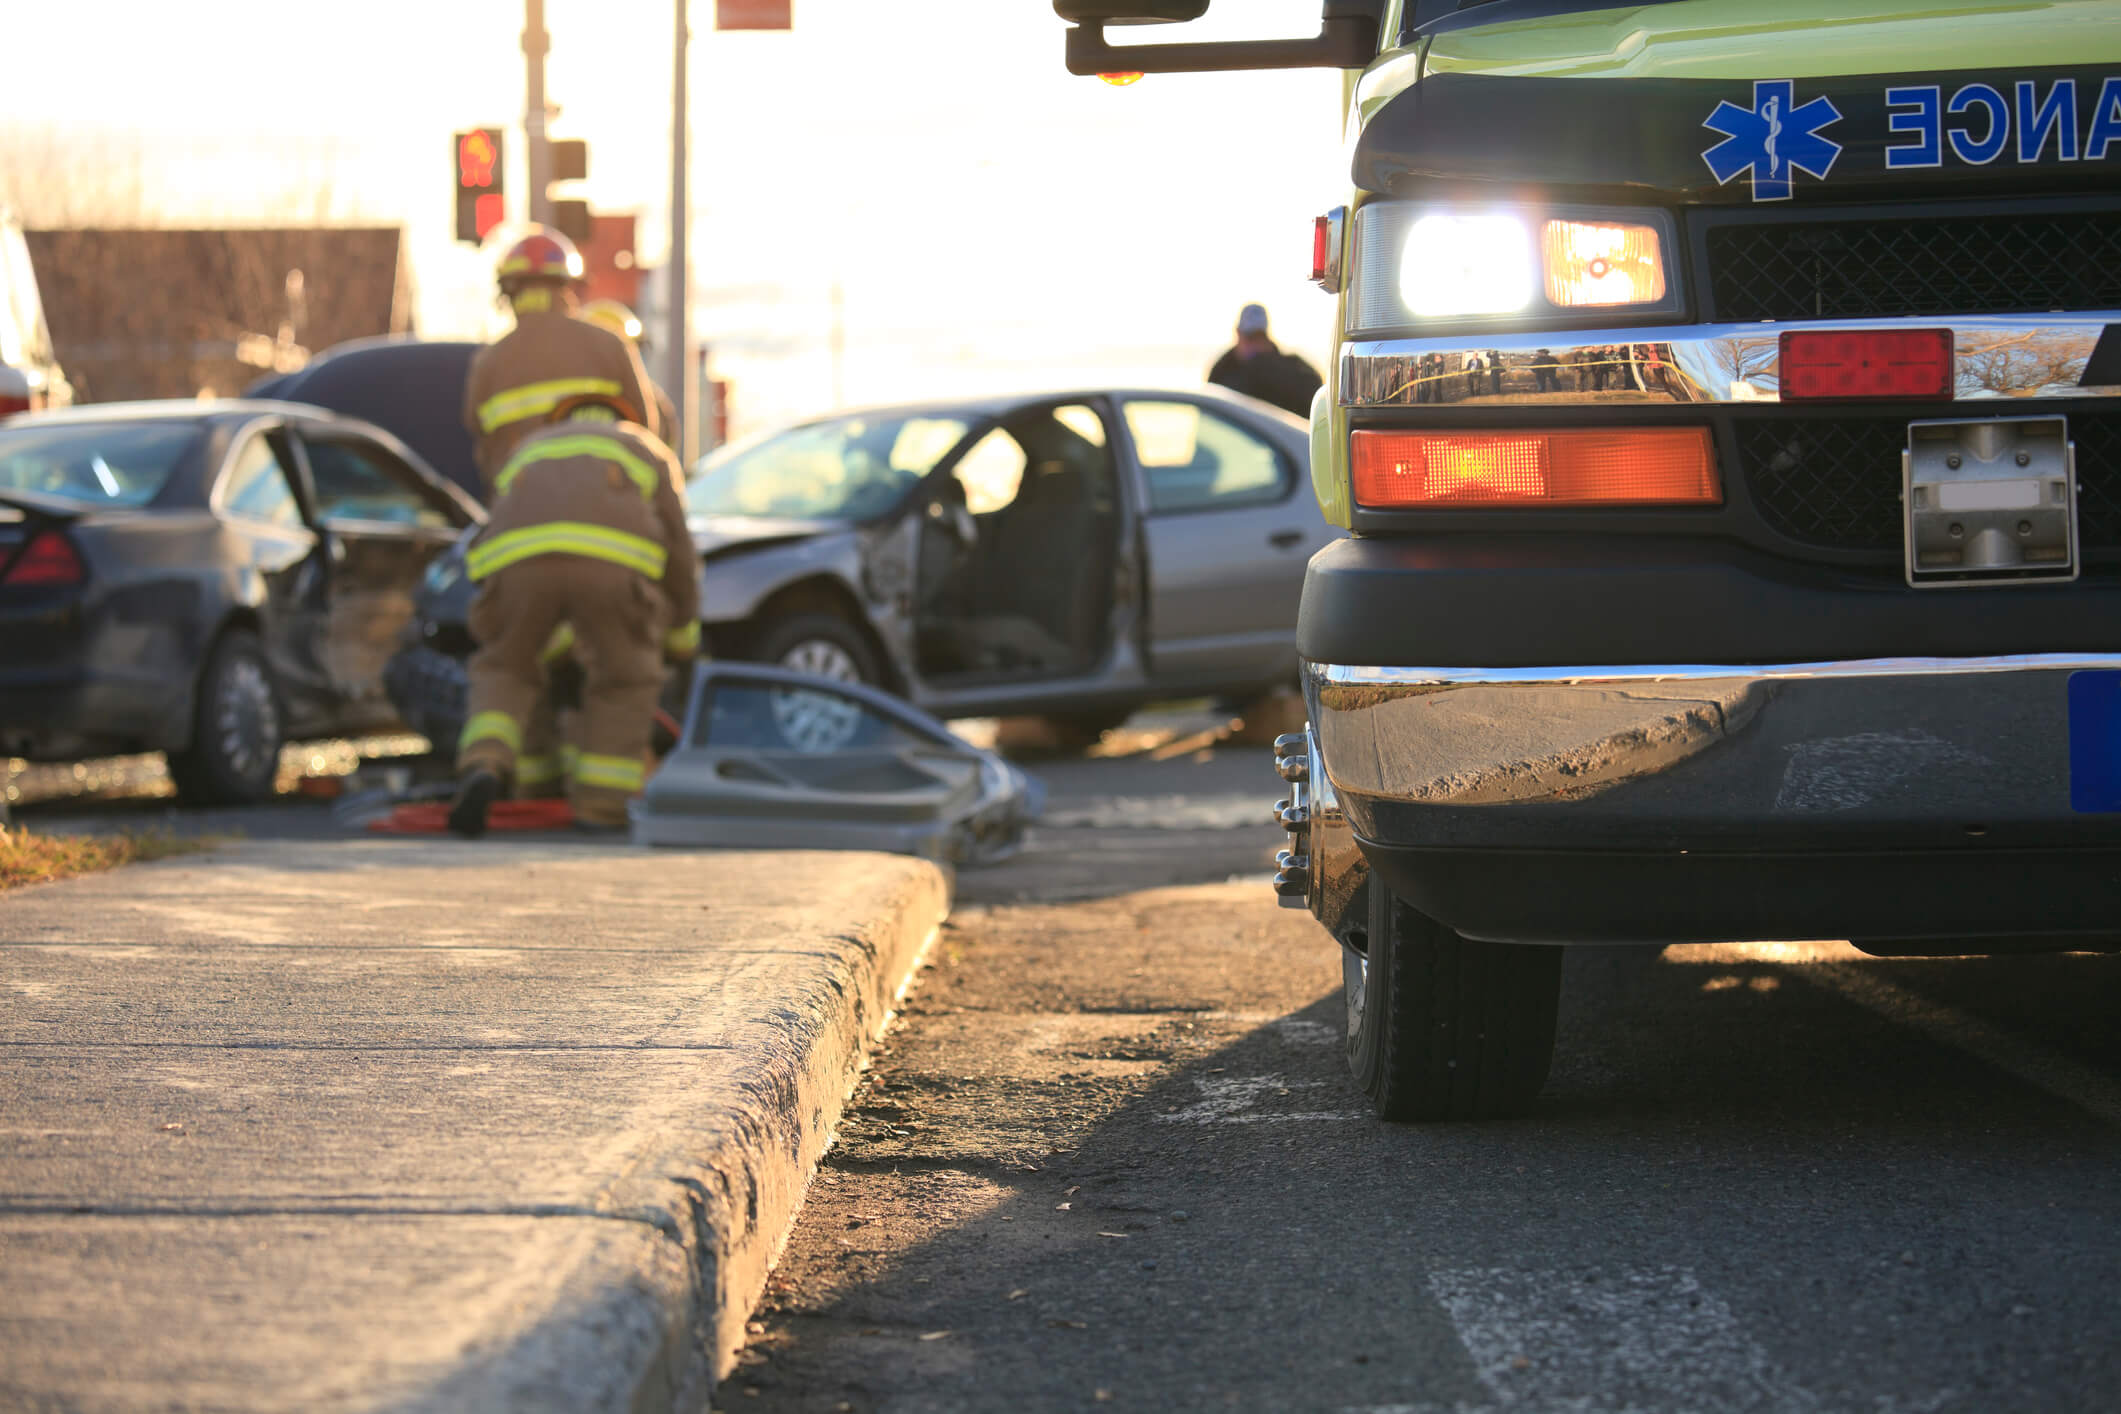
[(357, 482), (258, 487), (992, 472), (1196, 460)]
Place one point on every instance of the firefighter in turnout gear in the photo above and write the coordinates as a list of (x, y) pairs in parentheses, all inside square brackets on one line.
[(549, 358), (615, 316), (587, 538)]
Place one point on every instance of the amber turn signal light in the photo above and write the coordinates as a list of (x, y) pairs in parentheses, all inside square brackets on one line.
[(1620, 466)]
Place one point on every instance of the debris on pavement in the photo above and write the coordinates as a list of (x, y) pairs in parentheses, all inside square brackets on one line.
[(775, 759)]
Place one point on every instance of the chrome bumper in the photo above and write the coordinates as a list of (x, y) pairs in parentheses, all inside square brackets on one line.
[(2020, 357), (1897, 755)]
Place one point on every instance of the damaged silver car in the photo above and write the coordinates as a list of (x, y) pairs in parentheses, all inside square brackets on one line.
[(1072, 555)]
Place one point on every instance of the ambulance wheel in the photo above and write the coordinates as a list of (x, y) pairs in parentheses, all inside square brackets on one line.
[(824, 645), (236, 728), (1442, 1027)]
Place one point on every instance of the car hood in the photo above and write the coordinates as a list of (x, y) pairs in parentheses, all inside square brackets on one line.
[(721, 535)]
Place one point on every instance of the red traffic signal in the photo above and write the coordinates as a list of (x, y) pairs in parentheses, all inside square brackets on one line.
[(476, 163)]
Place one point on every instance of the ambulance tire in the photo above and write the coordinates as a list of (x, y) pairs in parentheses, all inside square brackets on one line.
[(1443, 1027)]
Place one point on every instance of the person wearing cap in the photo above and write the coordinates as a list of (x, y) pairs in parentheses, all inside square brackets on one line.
[(1258, 368), (548, 358)]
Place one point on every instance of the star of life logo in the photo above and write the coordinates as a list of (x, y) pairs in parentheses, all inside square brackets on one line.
[(1777, 139)]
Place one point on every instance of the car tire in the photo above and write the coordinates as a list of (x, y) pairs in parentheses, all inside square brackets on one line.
[(825, 644), (1443, 1027), (237, 728)]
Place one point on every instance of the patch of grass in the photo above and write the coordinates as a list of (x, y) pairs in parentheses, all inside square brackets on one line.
[(27, 858)]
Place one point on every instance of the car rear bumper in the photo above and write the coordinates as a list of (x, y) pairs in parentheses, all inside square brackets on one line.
[(62, 714), (73, 685), (1876, 798)]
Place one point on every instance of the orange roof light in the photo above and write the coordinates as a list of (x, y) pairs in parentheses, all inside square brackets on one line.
[(1122, 78), (1621, 466)]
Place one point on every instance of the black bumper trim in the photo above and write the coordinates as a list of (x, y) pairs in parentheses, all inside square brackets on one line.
[(1607, 897)]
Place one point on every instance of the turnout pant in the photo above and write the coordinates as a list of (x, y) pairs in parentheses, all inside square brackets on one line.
[(619, 622)]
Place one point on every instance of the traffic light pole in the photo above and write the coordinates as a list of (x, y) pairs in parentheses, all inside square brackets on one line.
[(535, 43), (682, 386)]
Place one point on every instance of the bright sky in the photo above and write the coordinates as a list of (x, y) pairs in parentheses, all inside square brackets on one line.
[(993, 222)]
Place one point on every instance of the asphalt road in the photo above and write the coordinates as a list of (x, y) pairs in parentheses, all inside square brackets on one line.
[(1110, 1158)]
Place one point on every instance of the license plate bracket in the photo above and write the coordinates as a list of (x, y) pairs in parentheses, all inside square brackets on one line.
[(1989, 501)]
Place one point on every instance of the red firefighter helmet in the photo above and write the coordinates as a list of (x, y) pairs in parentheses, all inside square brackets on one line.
[(541, 255)]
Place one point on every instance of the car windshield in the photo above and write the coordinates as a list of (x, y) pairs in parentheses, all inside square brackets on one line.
[(95, 463), (850, 468)]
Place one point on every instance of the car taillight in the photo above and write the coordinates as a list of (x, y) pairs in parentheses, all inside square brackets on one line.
[(11, 404), (48, 559), (1622, 466), (1837, 364)]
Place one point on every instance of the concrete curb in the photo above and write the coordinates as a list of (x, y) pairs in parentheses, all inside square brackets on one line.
[(662, 1311), (483, 1127)]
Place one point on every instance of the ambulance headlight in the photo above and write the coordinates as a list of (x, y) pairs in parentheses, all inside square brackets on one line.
[(1467, 263), (1420, 266)]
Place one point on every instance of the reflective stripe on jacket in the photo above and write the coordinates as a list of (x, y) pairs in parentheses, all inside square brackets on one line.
[(604, 492), (547, 359), (566, 537), (539, 400)]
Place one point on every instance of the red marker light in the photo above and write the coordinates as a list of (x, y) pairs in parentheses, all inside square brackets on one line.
[(1122, 79), (1841, 364), (1321, 246)]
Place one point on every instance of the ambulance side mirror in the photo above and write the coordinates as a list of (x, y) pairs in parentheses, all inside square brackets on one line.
[(1346, 39), (1129, 12)]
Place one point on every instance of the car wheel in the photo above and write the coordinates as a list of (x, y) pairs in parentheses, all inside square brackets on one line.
[(236, 728), (826, 646), (1446, 1027)]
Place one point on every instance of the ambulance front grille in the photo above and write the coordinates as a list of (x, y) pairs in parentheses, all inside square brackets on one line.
[(2005, 263), (1834, 482)]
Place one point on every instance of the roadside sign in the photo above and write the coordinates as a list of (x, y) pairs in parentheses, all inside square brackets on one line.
[(753, 14)]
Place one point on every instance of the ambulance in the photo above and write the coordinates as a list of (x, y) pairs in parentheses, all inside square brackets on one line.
[(1726, 411)]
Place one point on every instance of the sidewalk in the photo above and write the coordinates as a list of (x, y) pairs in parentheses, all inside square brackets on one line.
[(417, 1125)]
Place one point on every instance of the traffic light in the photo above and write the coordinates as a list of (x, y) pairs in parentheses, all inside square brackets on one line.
[(477, 167)]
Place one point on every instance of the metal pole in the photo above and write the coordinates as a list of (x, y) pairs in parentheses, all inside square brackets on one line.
[(839, 342), (683, 387), (535, 44)]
